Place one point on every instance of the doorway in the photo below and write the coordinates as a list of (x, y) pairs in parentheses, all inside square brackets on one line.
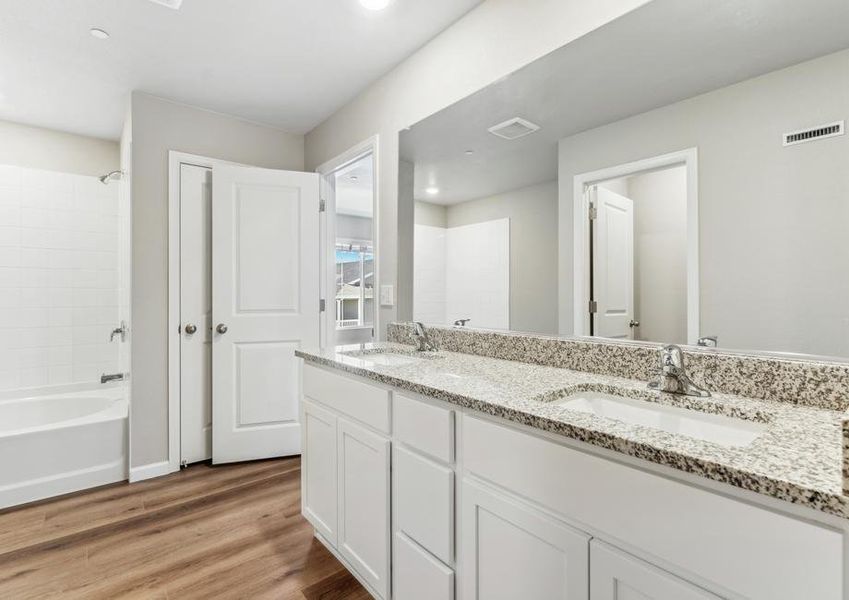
[(349, 242), (243, 291), (636, 251)]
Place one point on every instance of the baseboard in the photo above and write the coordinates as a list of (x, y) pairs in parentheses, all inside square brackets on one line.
[(149, 471)]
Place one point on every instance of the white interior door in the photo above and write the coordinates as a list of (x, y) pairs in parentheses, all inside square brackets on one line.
[(265, 292), (195, 314), (613, 264)]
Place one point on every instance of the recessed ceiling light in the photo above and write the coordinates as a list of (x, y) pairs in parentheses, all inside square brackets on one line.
[(354, 178), (98, 33), (432, 190), (375, 4), (470, 151)]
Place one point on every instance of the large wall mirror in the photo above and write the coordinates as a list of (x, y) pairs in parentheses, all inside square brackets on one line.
[(679, 175)]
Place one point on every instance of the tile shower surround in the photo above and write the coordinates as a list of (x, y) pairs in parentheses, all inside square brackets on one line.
[(59, 284)]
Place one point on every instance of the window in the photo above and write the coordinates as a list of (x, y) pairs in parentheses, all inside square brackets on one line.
[(354, 284)]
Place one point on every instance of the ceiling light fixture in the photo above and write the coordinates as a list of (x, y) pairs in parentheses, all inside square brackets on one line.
[(432, 190), (354, 178), (98, 33), (375, 4), (470, 152)]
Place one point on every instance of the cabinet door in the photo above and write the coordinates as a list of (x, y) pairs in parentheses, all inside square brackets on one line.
[(319, 478), (364, 504), (511, 551), (615, 575)]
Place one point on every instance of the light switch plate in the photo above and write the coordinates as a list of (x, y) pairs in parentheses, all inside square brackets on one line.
[(387, 295)]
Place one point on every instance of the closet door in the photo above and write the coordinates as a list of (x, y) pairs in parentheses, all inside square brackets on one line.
[(265, 292)]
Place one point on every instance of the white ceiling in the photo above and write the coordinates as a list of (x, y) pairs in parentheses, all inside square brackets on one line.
[(286, 63), (661, 53)]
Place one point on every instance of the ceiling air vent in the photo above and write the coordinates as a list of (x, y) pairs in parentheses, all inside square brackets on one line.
[(814, 133), (514, 128), (175, 4)]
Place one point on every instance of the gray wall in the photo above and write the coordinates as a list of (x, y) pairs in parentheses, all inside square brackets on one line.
[(491, 41), (774, 258), (39, 148), (533, 249), (430, 214), (157, 127)]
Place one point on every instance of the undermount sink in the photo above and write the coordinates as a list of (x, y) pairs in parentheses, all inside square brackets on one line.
[(719, 429), (390, 357)]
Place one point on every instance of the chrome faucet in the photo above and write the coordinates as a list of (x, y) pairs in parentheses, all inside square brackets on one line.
[(461, 322), (122, 331), (673, 376), (708, 341), (111, 377), (423, 341)]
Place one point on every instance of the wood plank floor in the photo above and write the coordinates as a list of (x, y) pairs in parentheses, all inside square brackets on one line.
[(207, 532)]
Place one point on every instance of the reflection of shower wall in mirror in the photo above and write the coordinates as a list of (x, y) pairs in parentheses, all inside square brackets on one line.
[(463, 273)]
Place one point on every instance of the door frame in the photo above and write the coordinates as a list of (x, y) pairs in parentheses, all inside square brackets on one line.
[(175, 160), (327, 256), (581, 232)]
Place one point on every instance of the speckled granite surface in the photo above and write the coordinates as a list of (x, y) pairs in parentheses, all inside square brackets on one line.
[(821, 384), (797, 458)]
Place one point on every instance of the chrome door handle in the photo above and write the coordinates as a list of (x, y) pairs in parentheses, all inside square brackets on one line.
[(633, 324), (221, 328), (190, 328)]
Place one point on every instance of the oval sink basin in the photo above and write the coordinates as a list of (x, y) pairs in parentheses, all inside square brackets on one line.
[(390, 358), (719, 429)]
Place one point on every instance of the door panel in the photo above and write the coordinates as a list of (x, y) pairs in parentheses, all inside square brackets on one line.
[(319, 478), (512, 551), (265, 295), (613, 264), (615, 575), (195, 309), (364, 504)]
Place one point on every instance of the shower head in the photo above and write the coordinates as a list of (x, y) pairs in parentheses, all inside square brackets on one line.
[(105, 179)]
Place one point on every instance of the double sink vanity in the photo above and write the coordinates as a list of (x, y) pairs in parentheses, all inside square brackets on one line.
[(501, 466)]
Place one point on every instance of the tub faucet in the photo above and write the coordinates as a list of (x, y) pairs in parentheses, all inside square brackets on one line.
[(673, 377), (423, 341), (111, 377)]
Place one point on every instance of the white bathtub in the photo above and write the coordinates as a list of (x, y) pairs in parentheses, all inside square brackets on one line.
[(51, 445)]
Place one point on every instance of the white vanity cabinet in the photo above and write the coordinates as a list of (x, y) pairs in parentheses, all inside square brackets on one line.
[(346, 472), (510, 551), (615, 575), (425, 501)]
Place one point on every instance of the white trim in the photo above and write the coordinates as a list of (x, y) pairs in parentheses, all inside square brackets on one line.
[(328, 227), (151, 470), (581, 224), (175, 160)]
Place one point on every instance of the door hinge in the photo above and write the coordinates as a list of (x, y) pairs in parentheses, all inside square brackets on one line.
[(322, 205), (593, 306), (321, 305), (593, 212)]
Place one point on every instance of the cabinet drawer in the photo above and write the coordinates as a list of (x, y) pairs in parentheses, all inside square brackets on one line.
[(427, 428), (418, 576), (366, 403), (708, 538), (423, 502)]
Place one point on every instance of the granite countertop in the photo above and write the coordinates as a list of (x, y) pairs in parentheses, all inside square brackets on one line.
[(797, 458)]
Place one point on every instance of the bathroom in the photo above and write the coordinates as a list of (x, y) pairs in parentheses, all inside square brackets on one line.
[(386, 299)]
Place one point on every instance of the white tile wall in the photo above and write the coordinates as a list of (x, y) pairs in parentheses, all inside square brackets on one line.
[(429, 274), (59, 284)]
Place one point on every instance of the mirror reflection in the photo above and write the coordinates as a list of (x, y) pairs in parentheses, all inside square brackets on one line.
[(679, 175)]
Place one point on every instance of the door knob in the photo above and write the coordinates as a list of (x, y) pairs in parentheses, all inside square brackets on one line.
[(633, 323), (190, 328), (221, 328)]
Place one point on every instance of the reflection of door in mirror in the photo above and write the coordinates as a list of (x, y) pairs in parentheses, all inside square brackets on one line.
[(638, 260)]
